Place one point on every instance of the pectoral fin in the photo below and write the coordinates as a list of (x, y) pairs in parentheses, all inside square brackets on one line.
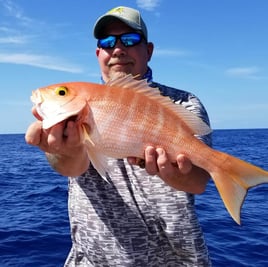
[(98, 160)]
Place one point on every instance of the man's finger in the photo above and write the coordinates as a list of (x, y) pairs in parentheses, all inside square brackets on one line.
[(150, 160), (33, 134), (184, 164)]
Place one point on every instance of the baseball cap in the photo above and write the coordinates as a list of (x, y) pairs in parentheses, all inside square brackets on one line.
[(129, 16)]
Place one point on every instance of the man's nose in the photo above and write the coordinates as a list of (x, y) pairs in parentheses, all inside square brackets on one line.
[(119, 48)]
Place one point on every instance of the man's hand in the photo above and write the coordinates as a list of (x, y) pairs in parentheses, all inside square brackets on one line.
[(157, 162), (182, 175), (60, 138), (63, 146)]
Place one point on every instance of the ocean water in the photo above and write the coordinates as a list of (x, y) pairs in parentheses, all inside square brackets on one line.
[(34, 226)]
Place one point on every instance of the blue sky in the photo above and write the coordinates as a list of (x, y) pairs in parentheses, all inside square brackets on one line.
[(216, 49)]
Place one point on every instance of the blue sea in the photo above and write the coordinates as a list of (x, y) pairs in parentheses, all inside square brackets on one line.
[(34, 226)]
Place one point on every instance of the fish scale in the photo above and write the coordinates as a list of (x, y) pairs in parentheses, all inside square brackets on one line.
[(119, 119)]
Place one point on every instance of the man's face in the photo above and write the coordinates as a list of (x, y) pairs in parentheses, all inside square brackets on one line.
[(122, 60)]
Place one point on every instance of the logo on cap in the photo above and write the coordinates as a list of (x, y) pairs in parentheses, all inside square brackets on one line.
[(119, 10)]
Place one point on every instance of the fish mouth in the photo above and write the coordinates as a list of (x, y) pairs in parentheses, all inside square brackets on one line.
[(76, 114), (72, 118), (54, 112), (51, 121)]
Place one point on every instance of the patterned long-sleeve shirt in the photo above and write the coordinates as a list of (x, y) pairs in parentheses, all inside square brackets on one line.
[(136, 220)]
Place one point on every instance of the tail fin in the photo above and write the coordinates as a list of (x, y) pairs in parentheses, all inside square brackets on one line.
[(233, 178)]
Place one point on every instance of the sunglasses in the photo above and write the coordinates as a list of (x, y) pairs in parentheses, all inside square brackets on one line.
[(127, 39)]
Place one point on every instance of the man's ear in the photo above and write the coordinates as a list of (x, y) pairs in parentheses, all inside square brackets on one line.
[(97, 51), (150, 49)]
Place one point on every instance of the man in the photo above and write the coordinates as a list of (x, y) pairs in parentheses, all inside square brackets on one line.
[(143, 217)]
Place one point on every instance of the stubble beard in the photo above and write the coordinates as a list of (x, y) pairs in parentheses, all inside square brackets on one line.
[(117, 74)]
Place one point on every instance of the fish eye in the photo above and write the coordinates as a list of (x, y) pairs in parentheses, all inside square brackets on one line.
[(61, 91)]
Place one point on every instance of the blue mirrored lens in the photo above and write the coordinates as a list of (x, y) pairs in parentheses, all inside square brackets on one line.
[(108, 42), (127, 39), (130, 39)]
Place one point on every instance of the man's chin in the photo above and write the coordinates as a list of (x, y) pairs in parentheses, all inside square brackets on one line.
[(118, 73)]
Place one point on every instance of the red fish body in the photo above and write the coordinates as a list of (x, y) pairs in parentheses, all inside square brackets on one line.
[(124, 116)]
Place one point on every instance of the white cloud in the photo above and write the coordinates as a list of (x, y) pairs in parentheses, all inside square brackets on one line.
[(22, 30), (10, 35), (243, 72), (4, 29), (13, 40), (15, 11), (147, 4), (40, 61)]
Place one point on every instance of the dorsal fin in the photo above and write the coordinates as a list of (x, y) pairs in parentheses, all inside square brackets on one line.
[(196, 124)]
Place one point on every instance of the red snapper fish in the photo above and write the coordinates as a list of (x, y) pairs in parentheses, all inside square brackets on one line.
[(119, 119)]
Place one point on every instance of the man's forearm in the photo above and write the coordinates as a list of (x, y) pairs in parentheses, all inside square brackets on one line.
[(68, 165)]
